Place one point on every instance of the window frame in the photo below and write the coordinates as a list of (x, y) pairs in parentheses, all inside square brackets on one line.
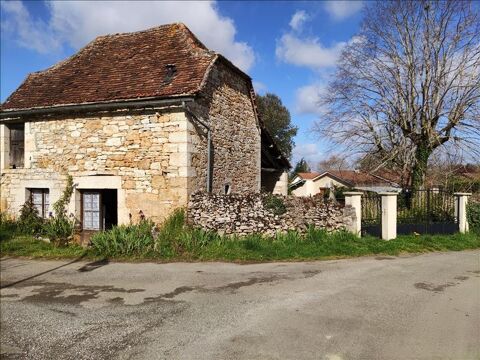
[(45, 201), (18, 145), (99, 211)]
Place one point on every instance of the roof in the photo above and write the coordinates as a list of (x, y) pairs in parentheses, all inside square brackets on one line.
[(358, 178), (308, 175), (350, 177), (164, 62), (161, 62)]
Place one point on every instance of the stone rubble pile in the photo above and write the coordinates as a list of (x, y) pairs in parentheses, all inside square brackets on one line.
[(243, 214)]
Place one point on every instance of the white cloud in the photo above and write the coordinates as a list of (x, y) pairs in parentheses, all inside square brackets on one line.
[(307, 99), (260, 88), (341, 9), (31, 33), (309, 152), (298, 19), (307, 52), (77, 22)]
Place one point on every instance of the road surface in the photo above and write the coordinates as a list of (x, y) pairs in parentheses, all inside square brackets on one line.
[(409, 307)]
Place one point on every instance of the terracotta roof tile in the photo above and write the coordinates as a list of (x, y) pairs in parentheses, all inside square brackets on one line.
[(308, 176), (358, 178), (121, 66)]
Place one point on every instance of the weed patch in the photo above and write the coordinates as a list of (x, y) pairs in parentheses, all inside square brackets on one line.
[(175, 241)]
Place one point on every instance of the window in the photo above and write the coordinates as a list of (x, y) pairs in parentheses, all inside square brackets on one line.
[(99, 209), (17, 145), (40, 200), (91, 211), (227, 189)]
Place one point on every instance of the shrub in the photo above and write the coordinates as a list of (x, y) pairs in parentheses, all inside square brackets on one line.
[(8, 227), (274, 203), (473, 216), (174, 238), (60, 206), (59, 230), (29, 222), (125, 240)]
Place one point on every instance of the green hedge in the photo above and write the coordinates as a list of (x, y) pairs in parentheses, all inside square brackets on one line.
[(473, 215)]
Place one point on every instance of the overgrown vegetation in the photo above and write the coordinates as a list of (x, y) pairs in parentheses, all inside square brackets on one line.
[(176, 241), (274, 204), (8, 227), (29, 222), (132, 240), (59, 228), (473, 216)]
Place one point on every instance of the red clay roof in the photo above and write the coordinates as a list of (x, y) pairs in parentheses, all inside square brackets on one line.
[(358, 178), (308, 176), (121, 66)]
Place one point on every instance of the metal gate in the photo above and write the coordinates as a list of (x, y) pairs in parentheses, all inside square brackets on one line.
[(428, 211), (371, 214)]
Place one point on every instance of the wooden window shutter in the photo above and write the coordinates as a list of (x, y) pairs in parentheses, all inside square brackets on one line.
[(17, 145)]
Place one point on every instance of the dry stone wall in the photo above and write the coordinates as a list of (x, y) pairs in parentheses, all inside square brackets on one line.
[(243, 214)]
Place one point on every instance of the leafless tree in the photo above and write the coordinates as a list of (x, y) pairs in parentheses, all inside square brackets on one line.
[(333, 162), (408, 84)]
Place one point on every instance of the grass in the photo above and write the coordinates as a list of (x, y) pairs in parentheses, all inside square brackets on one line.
[(24, 245), (174, 241), (194, 245)]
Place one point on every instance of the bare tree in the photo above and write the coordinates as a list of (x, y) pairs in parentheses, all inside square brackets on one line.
[(334, 162), (408, 84)]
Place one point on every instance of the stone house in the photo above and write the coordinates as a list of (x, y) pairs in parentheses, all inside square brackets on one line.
[(313, 183), (141, 121)]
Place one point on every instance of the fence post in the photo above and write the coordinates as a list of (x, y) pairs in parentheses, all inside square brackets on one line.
[(354, 199), (461, 200), (389, 215)]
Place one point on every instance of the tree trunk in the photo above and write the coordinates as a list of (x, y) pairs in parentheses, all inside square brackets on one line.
[(419, 170)]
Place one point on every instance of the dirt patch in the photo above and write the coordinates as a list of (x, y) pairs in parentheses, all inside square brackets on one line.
[(461, 278), (384, 258)]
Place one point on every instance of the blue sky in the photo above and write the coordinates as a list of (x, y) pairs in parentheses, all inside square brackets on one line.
[(288, 48)]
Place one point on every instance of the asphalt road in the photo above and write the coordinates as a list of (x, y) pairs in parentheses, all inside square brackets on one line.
[(413, 307)]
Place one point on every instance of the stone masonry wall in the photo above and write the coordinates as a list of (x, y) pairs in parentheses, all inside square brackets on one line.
[(225, 104), (147, 150), (157, 158), (244, 214)]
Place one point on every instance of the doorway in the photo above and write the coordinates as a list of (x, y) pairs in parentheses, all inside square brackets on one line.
[(99, 209)]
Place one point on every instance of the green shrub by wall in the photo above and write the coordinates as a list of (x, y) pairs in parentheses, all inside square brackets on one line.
[(274, 204), (473, 215)]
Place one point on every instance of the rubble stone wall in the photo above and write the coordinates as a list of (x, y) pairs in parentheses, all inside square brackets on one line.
[(243, 214), (225, 104), (147, 150)]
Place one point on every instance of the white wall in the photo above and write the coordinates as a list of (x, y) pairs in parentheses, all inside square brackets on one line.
[(312, 187)]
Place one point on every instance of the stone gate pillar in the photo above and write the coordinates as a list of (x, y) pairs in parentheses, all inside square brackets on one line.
[(389, 215), (354, 199), (461, 200)]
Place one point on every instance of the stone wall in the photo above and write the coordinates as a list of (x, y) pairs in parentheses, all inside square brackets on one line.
[(225, 103), (244, 214), (147, 151), (154, 158)]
